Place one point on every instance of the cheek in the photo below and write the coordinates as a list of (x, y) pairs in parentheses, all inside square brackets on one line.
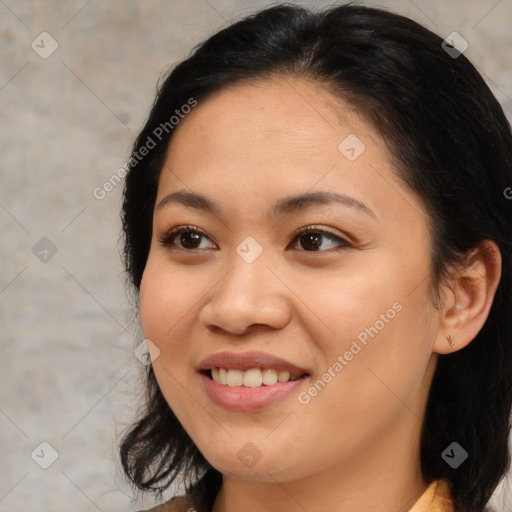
[(164, 304), (344, 303), (378, 326), (165, 298)]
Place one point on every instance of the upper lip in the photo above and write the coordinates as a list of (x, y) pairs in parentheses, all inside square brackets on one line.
[(247, 360)]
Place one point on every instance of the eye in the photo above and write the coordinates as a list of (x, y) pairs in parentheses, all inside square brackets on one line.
[(190, 238), (312, 237)]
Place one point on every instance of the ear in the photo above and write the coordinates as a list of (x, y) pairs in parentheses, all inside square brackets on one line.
[(467, 297)]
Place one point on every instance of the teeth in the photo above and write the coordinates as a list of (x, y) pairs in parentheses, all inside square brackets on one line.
[(253, 378), (269, 377)]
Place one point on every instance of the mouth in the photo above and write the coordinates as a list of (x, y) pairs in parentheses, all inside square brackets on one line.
[(250, 381), (252, 390), (251, 378)]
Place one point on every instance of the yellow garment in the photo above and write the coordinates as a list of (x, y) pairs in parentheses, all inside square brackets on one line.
[(437, 498)]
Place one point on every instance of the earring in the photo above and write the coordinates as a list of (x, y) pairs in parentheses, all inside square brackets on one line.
[(450, 341)]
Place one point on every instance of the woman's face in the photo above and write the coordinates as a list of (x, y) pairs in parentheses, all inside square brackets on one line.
[(348, 303)]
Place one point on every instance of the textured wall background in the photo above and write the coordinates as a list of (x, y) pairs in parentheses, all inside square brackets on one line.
[(68, 372)]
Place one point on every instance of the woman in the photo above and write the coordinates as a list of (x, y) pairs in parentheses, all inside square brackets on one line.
[(318, 232)]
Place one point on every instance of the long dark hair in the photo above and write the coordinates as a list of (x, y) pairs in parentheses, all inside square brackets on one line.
[(451, 144)]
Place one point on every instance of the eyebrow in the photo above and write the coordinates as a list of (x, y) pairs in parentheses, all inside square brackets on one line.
[(282, 206)]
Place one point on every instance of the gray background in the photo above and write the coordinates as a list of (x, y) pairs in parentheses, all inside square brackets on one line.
[(68, 373)]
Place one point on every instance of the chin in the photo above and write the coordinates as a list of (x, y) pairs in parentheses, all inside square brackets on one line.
[(240, 467)]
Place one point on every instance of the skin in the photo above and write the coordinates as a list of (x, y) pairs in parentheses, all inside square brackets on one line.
[(355, 445)]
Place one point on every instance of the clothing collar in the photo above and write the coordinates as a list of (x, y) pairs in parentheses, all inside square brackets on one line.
[(436, 498)]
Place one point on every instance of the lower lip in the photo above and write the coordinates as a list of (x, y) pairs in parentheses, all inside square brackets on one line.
[(248, 399)]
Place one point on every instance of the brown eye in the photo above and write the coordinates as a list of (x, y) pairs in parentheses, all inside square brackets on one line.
[(189, 237), (311, 238)]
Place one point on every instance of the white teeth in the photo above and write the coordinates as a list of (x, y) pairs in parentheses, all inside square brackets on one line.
[(235, 377), (283, 376), (269, 377), (253, 378), (215, 374)]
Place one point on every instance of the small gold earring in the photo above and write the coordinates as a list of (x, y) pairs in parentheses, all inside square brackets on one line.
[(450, 341)]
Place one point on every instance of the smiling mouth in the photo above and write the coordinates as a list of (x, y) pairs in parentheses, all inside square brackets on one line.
[(252, 378)]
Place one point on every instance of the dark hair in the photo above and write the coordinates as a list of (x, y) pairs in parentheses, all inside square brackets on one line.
[(451, 144)]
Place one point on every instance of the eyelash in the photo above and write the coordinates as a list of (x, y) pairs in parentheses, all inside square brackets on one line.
[(167, 238)]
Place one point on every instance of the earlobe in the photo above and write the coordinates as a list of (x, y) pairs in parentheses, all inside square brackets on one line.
[(468, 298)]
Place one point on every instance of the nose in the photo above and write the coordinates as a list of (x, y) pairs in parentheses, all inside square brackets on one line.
[(247, 296)]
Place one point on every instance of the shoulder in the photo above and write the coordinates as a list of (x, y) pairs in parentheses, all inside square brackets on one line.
[(176, 504)]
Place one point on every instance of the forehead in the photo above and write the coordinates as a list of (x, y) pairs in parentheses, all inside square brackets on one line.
[(269, 124), (298, 113)]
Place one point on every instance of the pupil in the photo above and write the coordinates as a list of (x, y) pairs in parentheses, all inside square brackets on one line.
[(315, 238), (190, 235)]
